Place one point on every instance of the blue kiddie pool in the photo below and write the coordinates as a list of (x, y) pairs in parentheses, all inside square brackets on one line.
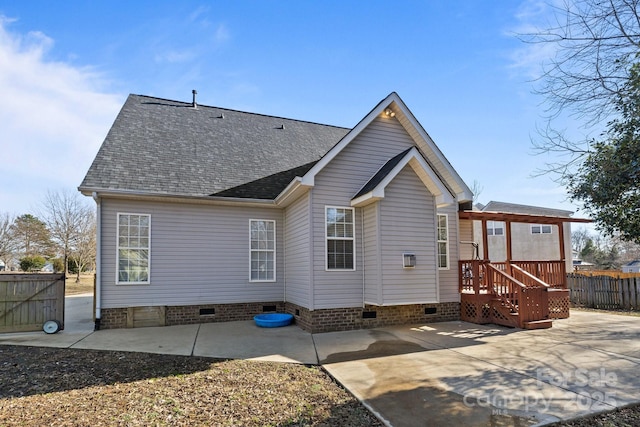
[(273, 320)]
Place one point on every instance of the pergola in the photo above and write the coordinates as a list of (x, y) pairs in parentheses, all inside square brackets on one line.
[(509, 218)]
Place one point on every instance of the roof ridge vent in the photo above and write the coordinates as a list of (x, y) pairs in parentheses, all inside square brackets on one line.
[(193, 103)]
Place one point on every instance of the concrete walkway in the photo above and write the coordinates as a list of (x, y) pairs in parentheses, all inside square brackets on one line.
[(434, 374)]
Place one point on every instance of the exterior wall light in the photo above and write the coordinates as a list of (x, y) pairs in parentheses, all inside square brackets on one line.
[(389, 112)]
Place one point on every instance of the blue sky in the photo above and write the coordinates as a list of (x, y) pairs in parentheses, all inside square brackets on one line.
[(67, 67)]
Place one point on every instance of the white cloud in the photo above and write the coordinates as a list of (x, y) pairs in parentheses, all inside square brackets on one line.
[(53, 117), (222, 35), (175, 56), (531, 17)]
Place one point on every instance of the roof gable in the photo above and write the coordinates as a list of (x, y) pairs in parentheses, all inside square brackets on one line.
[(374, 189), (392, 107), (162, 148)]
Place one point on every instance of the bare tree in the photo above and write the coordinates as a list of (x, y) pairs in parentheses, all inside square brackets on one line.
[(7, 240), (629, 251), (65, 214), (595, 43), (83, 253), (476, 189), (579, 238)]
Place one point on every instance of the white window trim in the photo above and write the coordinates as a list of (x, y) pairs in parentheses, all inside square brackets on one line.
[(327, 238), (491, 225), (438, 241), (541, 228), (117, 268), (275, 240)]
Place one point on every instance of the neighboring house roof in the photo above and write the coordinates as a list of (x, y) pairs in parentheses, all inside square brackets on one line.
[(634, 263), (159, 147), (494, 206), (168, 147)]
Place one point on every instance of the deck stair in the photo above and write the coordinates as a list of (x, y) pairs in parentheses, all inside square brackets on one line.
[(510, 295)]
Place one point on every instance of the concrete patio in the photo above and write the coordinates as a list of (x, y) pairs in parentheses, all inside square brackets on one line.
[(432, 374)]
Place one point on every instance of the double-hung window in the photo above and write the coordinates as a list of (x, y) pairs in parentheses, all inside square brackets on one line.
[(134, 244), (263, 250), (443, 241), (540, 229), (340, 235), (495, 228)]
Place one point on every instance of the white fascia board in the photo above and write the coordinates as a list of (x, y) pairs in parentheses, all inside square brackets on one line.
[(428, 177), (460, 188), (294, 190), (179, 198), (366, 199), (393, 101), (309, 178)]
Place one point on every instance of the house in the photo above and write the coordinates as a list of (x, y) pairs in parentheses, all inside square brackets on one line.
[(209, 214), (632, 267), (530, 241)]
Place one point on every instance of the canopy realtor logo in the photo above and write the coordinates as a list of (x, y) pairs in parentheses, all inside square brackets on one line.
[(591, 390)]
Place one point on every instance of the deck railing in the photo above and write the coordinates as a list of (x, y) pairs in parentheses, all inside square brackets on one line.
[(552, 273), (472, 276), (529, 280), (515, 285), (504, 286)]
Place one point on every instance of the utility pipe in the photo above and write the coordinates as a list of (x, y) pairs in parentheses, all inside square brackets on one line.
[(98, 292)]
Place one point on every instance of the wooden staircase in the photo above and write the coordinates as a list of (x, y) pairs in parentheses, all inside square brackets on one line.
[(505, 295)]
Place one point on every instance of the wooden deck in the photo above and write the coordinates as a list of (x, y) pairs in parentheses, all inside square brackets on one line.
[(521, 294)]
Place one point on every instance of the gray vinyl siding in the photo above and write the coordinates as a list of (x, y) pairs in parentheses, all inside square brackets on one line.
[(199, 255), (335, 185), (371, 253), (448, 278), (297, 255), (407, 224)]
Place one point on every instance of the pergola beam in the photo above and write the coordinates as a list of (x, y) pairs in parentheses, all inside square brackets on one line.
[(515, 217), (509, 218)]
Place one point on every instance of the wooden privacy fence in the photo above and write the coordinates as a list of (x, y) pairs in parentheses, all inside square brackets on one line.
[(29, 300), (605, 292)]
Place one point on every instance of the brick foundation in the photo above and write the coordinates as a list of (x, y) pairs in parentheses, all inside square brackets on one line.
[(316, 321), (346, 319), (113, 318)]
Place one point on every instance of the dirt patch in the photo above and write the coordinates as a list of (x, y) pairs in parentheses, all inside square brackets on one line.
[(68, 387)]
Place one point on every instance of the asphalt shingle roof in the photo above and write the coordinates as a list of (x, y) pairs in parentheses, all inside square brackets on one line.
[(494, 206), (382, 173), (160, 146)]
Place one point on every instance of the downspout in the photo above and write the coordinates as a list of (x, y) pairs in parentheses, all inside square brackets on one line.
[(284, 256), (362, 252), (98, 293)]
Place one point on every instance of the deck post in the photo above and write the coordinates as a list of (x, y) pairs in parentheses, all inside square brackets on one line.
[(485, 240)]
